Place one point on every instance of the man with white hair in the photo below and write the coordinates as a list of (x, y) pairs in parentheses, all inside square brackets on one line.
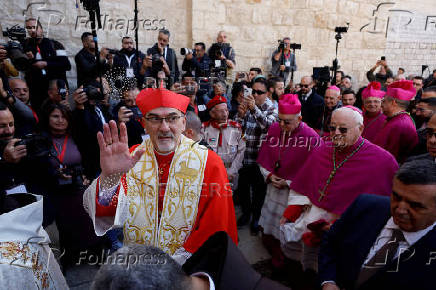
[(346, 167)]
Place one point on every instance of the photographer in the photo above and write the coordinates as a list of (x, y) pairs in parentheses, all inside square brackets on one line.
[(25, 119), (283, 60), (88, 118), (161, 57), (382, 75), (228, 53), (125, 62), (86, 64), (197, 62), (23, 163), (126, 111), (57, 94), (49, 61)]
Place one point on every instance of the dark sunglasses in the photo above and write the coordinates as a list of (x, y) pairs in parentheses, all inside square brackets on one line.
[(430, 132), (304, 86), (341, 129), (258, 92)]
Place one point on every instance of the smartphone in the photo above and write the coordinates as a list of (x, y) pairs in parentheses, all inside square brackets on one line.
[(247, 92), (383, 58)]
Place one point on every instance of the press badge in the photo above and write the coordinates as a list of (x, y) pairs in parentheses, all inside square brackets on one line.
[(288, 63), (129, 73), (202, 108), (17, 189)]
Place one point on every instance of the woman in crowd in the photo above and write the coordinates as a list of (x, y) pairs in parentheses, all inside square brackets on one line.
[(76, 232)]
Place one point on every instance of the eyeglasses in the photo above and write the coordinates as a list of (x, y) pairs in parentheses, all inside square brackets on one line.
[(423, 110), (304, 86), (287, 122), (343, 130), (155, 120), (258, 92), (430, 132), (417, 84)]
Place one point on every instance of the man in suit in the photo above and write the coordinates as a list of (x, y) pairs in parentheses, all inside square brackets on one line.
[(381, 245), (167, 56), (311, 103)]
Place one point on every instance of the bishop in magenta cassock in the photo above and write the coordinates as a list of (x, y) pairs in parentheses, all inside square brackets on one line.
[(328, 182), (287, 146), (169, 191), (373, 117), (398, 134)]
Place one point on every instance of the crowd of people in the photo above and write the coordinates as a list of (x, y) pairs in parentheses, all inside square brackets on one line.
[(144, 153)]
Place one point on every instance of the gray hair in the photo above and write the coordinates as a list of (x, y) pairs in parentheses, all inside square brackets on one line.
[(356, 115), (140, 267), (419, 171), (165, 31), (193, 122)]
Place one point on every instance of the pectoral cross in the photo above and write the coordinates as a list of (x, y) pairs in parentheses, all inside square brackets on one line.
[(322, 192)]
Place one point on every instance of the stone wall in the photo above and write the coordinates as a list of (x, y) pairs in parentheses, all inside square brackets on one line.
[(404, 31)]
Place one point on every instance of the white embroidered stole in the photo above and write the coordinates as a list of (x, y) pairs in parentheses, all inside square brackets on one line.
[(138, 209)]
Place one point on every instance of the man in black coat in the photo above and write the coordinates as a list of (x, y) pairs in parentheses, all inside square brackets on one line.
[(311, 103), (86, 64), (167, 56), (48, 61), (125, 63)]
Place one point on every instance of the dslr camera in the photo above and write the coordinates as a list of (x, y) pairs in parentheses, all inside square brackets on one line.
[(185, 51), (75, 172), (36, 145), (16, 34), (92, 91)]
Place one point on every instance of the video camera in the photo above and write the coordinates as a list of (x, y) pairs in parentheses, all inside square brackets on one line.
[(75, 172), (16, 34), (341, 29)]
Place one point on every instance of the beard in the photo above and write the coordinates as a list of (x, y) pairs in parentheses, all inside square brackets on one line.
[(166, 145)]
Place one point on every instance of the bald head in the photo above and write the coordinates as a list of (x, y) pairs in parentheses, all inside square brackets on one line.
[(222, 37), (306, 84), (19, 89)]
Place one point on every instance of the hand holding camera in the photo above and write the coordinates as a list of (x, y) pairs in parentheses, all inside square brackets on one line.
[(80, 98), (12, 153), (124, 114)]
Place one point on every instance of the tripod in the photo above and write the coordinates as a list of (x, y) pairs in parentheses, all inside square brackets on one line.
[(338, 37), (93, 7)]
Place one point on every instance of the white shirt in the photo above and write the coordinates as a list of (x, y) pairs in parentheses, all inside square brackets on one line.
[(386, 233)]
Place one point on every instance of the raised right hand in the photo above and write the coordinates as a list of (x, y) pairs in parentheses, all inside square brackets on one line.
[(115, 157)]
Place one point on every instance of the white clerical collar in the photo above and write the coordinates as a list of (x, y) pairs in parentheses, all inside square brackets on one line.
[(411, 237)]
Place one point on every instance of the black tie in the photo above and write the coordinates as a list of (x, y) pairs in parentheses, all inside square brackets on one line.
[(382, 257)]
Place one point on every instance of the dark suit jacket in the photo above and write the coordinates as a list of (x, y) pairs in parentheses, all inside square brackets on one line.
[(312, 108), (86, 66), (222, 260), (171, 60), (347, 244)]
